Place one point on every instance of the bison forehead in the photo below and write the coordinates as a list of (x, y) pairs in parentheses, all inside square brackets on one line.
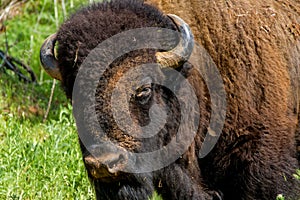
[(125, 73)]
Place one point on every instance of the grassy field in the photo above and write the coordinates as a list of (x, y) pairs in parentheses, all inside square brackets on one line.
[(39, 159)]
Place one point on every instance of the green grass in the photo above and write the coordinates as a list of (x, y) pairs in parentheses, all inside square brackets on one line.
[(41, 160), (38, 159)]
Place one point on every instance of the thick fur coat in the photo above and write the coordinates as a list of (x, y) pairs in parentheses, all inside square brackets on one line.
[(255, 45)]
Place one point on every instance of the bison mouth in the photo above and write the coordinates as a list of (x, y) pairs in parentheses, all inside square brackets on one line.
[(106, 162), (106, 172)]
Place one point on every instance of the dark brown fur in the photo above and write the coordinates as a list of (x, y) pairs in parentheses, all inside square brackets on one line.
[(76, 38), (255, 45)]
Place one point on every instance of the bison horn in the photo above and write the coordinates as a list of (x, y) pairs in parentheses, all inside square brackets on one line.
[(48, 59), (183, 50)]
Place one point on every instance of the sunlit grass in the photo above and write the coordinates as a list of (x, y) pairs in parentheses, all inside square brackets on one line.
[(39, 159)]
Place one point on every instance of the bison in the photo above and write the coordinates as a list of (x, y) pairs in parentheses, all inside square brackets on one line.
[(255, 46)]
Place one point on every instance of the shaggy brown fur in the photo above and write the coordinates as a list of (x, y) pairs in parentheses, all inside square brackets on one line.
[(76, 38), (255, 45), (96, 23)]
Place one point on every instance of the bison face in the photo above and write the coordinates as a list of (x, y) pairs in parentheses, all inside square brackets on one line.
[(136, 114), (133, 115)]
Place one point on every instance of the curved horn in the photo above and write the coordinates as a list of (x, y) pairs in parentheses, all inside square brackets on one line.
[(48, 59), (183, 50)]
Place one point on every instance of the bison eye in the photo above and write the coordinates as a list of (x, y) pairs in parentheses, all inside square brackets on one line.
[(143, 94)]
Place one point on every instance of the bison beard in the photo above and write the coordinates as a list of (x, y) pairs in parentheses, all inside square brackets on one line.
[(256, 48)]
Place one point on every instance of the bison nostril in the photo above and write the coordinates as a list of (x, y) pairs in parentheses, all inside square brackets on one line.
[(112, 165), (106, 165), (91, 161)]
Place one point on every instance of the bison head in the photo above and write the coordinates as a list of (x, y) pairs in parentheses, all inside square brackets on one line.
[(147, 116)]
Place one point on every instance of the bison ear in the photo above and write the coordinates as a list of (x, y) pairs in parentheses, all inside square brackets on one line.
[(144, 93)]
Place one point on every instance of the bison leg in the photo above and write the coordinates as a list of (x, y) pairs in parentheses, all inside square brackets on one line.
[(248, 174)]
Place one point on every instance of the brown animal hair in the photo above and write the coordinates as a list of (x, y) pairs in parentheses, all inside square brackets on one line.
[(96, 23), (75, 39), (255, 45)]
